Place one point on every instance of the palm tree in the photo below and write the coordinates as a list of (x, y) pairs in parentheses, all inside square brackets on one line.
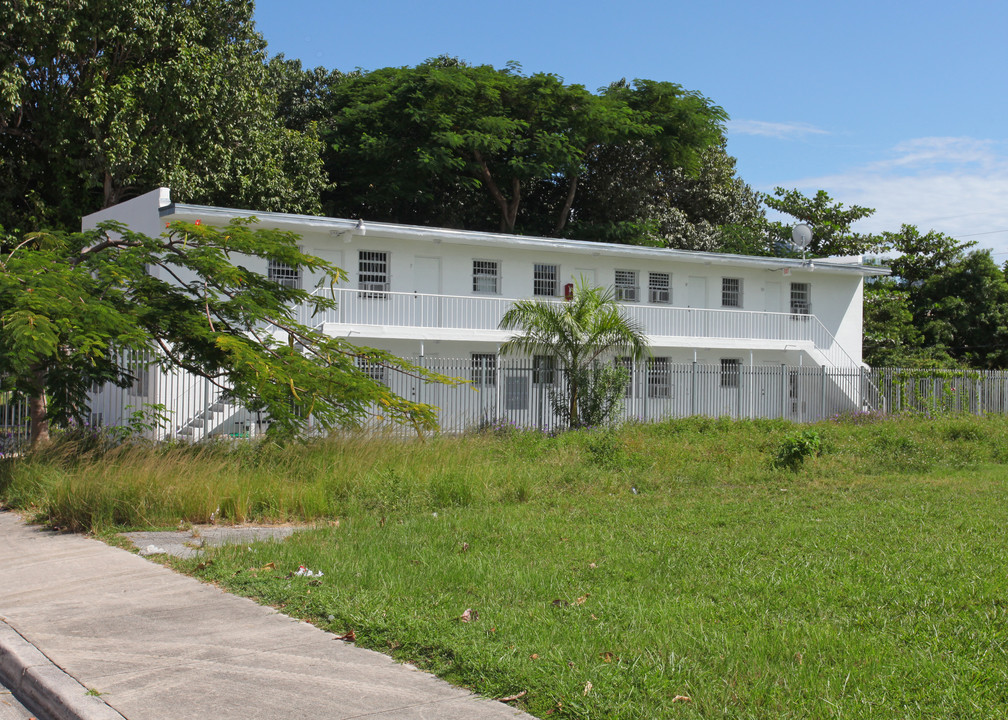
[(579, 334)]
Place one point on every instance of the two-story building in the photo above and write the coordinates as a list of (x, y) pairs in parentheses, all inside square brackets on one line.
[(438, 294)]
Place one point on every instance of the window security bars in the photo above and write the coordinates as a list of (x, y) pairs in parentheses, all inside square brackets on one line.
[(195, 409), (374, 370), (626, 288), (543, 369), (660, 288), (659, 385), (373, 273), (545, 280), (284, 274), (731, 292), (730, 372), (484, 369), (801, 299), (485, 277)]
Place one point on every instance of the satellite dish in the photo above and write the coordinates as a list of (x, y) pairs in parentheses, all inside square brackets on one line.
[(801, 236)]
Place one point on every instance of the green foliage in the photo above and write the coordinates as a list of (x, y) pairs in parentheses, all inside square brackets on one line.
[(446, 143), (73, 308), (796, 448), (104, 99), (583, 335), (866, 583), (831, 223)]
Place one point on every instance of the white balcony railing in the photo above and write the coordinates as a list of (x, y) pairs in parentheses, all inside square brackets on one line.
[(462, 312)]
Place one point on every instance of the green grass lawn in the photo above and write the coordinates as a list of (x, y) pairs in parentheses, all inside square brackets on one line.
[(614, 572)]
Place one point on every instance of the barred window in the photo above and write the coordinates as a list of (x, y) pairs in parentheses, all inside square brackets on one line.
[(626, 286), (374, 370), (485, 277), (660, 287), (659, 382), (543, 369), (516, 392), (484, 369), (372, 271), (801, 298), (544, 280), (284, 274), (627, 363), (731, 292), (730, 369)]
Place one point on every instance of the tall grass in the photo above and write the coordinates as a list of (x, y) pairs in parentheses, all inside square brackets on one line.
[(132, 486), (615, 571)]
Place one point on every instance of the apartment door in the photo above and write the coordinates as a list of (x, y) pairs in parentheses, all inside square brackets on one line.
[(696, 300), (427, 300), (773, 297), (587, 273)]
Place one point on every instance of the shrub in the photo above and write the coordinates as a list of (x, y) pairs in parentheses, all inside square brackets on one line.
[(796, 447)]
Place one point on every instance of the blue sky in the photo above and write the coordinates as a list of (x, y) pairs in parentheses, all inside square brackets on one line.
[(895, 105)]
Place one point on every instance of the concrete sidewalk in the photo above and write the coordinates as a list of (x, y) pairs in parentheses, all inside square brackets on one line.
[(164, 646)]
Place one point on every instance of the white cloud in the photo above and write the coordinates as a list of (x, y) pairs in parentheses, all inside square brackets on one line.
[(779, 130), (958, 186)]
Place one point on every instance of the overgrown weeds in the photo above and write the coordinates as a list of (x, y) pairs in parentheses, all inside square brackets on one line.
[(615, 571)]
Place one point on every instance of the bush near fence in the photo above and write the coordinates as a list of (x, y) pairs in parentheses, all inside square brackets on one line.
[(174, 405)]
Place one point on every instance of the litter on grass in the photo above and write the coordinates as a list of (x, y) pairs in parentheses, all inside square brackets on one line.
[(302, 571)]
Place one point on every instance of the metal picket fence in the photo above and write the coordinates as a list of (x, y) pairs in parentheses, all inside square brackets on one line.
[(171, 404)]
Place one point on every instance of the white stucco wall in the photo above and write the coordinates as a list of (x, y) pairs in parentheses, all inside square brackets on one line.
[(441, 261)]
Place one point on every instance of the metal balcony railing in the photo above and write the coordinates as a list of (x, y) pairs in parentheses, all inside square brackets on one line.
[(474, 312)]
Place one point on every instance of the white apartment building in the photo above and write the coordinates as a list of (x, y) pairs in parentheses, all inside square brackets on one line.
[(438, 294)]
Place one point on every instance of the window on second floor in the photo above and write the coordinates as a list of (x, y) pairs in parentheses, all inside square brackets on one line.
[(660, 287), (731, 292), (801, 298), (626, 286), (284, 274), (486, 279), (545, 280), (373, 271)]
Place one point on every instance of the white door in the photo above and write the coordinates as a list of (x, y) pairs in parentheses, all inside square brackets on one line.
[(587, 273), (696, 298), (773, 297), (427, 291), (697, 292)]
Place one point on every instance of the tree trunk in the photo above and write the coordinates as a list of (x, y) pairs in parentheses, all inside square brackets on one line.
[(509, 209), (37, 412), (565, 210)]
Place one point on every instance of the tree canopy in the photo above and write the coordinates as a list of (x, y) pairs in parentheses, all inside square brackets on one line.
[(73, 306), (446, 143), (104, 99)]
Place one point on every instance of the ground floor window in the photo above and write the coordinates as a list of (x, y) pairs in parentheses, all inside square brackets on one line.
[(659, 382), (730, 370), (484, 369)]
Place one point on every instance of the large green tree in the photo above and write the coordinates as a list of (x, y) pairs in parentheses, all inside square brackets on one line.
[(103, 99), (74, 306), (583, 336), (446, 143), (831, 222)]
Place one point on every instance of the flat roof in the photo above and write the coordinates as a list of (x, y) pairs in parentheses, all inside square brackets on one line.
[(294, 223)]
